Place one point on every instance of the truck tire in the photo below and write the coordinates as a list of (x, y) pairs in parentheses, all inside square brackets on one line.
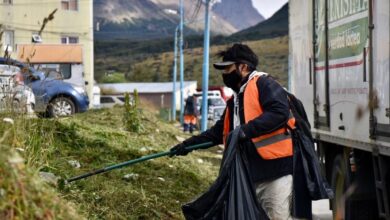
[(61, 107)]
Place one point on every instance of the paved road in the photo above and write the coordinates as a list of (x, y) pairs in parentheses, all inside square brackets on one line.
[(321, 210)]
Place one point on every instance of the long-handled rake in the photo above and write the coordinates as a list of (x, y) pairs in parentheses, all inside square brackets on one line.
[(131, 162)]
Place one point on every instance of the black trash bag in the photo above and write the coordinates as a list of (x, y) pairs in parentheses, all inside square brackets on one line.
[(309, 184), (232, 196), (301, 200), (305, 153), (317, 186)]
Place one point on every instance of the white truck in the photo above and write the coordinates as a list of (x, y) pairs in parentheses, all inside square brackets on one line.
[(339, 67)]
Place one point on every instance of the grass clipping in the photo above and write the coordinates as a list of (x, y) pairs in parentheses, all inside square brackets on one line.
[(154, 189), (24, 196)]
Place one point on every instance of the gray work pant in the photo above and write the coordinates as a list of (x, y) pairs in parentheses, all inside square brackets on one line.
[(275, 197)]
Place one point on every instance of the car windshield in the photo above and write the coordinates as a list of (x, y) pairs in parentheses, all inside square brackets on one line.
[(212, 102), (39, 75), (216, 102)]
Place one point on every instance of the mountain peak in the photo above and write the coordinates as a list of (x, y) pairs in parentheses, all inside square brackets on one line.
[(240, 13), (276, 25), (146, 19)]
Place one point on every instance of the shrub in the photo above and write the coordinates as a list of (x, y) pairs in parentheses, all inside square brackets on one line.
[(131, 116)]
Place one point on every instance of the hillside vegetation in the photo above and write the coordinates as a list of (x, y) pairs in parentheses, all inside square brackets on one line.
[(122, 55), (67, 147), (273, 57)]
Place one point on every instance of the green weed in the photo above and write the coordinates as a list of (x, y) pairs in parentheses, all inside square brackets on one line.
[(98, 139), (23, 194), (131, 117)]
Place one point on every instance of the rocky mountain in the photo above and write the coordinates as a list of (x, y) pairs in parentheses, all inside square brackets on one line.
[(276, 25), (122, 56), (151, 19), (239, 13)]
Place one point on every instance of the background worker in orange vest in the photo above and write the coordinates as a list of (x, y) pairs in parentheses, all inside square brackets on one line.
[(260, 110), (190, 114)]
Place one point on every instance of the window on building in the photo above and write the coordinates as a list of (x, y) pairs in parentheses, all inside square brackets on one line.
[(8, 40), (73, 40), (8, 2), (64, 40), (71, 5), (69, 40)]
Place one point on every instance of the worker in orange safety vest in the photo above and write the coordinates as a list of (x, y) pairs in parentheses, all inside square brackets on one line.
[(190, 114), (259, 109)]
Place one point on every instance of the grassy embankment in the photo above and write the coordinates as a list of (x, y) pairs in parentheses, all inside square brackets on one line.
[(273, 56), (153, 190)]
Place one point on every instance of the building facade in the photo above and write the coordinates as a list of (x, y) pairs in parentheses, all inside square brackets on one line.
[(63, 42)]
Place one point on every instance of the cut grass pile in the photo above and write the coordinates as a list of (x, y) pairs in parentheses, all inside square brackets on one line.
[(23, 195), (155, 189)]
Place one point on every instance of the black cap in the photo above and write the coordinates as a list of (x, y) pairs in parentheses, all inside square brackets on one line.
[(238, 53), (222, 65)]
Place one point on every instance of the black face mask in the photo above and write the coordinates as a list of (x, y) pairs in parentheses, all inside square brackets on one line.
[(232, 80)]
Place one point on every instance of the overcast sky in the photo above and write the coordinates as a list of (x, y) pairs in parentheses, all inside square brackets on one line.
[(268, 7)]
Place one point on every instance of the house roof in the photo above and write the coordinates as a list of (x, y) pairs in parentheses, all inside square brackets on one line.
[(50, 53), (153, 87)]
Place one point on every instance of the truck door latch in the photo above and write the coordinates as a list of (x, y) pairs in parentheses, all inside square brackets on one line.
[(388, 112)]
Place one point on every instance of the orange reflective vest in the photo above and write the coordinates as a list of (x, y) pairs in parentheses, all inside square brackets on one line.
[(274, 145), (190, 119)]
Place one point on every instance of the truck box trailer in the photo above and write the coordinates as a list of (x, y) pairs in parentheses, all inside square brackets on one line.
[(339, 56)]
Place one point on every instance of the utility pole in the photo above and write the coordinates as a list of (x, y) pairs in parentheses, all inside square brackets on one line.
[(175, 68), (174, 76), (181, 62), (205, 74)]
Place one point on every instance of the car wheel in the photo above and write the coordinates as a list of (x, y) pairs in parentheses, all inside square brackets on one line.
[(61, 107)]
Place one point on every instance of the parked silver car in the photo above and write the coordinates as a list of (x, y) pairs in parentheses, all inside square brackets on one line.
[(109, 101), (216, 105), (14, 95)]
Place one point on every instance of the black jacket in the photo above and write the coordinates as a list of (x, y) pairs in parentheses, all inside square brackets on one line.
[(273, 99), (191, 107)]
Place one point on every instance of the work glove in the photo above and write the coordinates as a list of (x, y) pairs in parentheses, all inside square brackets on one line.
[(179, 150)]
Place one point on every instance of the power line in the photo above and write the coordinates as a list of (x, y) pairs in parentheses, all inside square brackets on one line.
[(40, 3), (59, 32), (83, 35), (51, 32), (198, 6), (37, 25)]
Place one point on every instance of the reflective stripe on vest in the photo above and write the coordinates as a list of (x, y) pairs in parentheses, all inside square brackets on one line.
[(278, 136), (273, 139), (274, 145)]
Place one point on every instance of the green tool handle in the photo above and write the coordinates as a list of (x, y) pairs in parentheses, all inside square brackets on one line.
[(131, 162)]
